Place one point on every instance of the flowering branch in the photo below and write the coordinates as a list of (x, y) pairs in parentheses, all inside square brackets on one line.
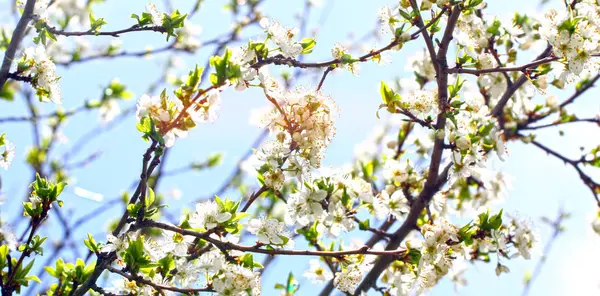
[(433, 182), (591, 120), (158, 287), (522, 68), (365, 250), (16, 39), (117, 33)]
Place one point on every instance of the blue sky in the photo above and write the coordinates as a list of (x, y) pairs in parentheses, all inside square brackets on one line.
[(541, 184)]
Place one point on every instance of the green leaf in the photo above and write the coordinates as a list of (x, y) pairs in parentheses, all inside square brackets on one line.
[(144, 20), (387, 94), (150, 197), (96, 24), (91, 243), (307, 45), (172, 22), (364, 225), (58, 189)]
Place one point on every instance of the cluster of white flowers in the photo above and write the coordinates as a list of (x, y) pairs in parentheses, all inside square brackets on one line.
[(494, 84), (576, 40), (303, 124), (237, 280), (328, 200), (40, 8), (523, 237), (76, 10), (421, 103), (473, 132), (472, 33), (467, 198), (164, 110), (208, 215), (43, 71), (226, 278), (244, 57), (68, 12), (282, 37), (7, 153), (439, 250), (348, 279), (305, 206), (271, 232), (436, 253), (420, 63)]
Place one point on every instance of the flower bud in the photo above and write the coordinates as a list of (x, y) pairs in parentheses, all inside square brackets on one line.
[(405, 36), (596, 225), (392, 144), (551, 101), (483, 42), (463, 143)]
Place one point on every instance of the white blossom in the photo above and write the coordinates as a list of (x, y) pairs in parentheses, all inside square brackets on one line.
[(270, 231), (237, 280), (523, 237), (317, 273), (156, 15), (7, 156), (44, 72), (208, 215), (282, 37)]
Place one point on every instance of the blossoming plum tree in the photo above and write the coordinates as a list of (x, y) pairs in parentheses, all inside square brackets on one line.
[(476, 88)]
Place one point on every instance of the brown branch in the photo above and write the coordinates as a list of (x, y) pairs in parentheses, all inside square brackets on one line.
[(104, 261), (521, 68), (592, 120), (253, 197), (365, 250), (433, 182), (414, 118), (134, 28), (329, 69)]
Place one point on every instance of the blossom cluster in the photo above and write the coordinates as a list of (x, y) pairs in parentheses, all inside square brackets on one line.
[(576, 39), (173, 248), (36, 63), (302, 122), (8, 152), (172, 118)]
